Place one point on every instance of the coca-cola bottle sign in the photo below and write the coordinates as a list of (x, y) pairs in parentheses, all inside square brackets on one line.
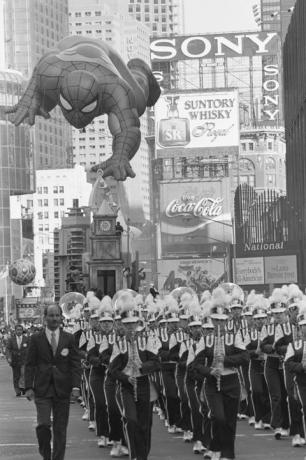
[(190, 206)]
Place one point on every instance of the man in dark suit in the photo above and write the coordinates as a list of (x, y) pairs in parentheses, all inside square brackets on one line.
[(16, 351), (52, 376)]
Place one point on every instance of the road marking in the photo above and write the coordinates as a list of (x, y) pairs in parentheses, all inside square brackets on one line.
[(18, 445)]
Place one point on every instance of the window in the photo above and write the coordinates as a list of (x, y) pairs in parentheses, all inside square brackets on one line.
[(40, 215), (61, 201), (46, 215), (251, 146), (29, 204), (270, 181), (78, 15), (87, 13), (45, 202), (55, 202), (40, 202), (270, 145), (270, 164), (243, 146), (40, 228), (45, 189), (46, 228), (56, 215), (55, 189), (97, 13), (39, 190), (61, 189)]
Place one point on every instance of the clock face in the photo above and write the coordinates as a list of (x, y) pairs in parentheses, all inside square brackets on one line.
[(105, 226)]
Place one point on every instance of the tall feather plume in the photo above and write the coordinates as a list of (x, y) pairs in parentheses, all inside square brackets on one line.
[(93, 303), (171, 304), (206, 308), (206, 295), (302, 306), (237, 293), (278, 296), (149, 300), (126, 302), (294, 293), (220, 298), (195, 307), (105, 306), (186, 299), (139, 300), (252, 297), (285, 291), (260, 303)]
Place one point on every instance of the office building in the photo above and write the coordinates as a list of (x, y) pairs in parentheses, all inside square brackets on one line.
[(276, 15), (30, 29), (110, 22), (55, 191)]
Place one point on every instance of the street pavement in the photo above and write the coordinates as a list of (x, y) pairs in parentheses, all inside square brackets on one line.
[(18, 442)]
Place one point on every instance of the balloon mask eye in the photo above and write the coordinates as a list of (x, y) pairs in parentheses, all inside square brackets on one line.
[(90, 107), (65, 103)]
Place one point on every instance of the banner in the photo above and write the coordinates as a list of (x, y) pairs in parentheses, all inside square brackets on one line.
[(199, 274), (197, 120), (281, 269), (250, 271)]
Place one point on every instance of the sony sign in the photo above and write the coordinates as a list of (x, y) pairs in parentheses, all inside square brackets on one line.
[(271, 92), (210, 46)]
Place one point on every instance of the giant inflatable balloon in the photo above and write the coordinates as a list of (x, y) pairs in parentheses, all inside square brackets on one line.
[(22, 272), (87, 78)]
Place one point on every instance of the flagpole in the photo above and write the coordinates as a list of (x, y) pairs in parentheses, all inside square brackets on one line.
[(6, 301)]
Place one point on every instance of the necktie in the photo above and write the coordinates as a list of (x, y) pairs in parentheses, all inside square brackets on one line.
[(53, 343)]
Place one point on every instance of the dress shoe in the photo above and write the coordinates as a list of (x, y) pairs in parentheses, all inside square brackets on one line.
[(277, 433), (267, 426), (172, 429), (208, 455), (216, 456), (284, 433), (85, 416), (118, 450), (187, 437)]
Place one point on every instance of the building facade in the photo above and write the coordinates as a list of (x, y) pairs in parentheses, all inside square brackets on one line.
[(30, 29), (55, 191), (276, 15), (295, 120)]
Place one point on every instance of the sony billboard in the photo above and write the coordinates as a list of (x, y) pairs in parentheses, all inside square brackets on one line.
[(179, 48)]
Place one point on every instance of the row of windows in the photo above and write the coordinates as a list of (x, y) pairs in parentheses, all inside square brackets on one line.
[(56, 202), (78, 14), (250, 145), (156, 2), (45, 215), (56, 189)]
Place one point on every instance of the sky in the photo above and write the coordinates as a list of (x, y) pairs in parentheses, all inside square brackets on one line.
[(208, 16)]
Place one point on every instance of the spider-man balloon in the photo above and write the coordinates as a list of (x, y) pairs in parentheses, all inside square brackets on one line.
[(87, 78)]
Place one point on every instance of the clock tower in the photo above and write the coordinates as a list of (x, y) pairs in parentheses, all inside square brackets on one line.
[(105, 264)]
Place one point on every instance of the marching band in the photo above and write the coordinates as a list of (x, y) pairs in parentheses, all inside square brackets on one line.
[(200, 364)]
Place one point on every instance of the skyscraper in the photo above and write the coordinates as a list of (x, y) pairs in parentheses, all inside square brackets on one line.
[(164, 17), (109, 21), (31, 28), (276, 15)]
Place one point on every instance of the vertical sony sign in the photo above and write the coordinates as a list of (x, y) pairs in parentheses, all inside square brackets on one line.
[(271, 92)]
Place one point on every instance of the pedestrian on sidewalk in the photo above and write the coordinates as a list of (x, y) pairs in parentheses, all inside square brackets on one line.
[(52, 373), (16, 351)]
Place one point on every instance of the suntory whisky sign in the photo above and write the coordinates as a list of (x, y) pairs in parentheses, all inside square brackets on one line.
[(197, 120), (213, 46)]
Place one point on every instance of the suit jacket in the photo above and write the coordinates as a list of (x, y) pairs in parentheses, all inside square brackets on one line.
[(42, 369), (17, 355)]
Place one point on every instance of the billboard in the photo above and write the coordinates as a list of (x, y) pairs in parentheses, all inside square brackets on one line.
[(197, 120), (199, 274), (250, 270), (281, 269), (196, 210), (165, 49)]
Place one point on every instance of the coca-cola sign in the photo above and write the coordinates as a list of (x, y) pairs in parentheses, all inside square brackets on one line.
[(190, 205), (193, 214)]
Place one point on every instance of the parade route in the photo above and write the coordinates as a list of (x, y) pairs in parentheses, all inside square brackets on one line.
[(18, 442)]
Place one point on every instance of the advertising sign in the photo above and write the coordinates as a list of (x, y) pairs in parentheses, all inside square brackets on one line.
[(213, 45), (197, 120), (250, 270), (194, 210), (199, 274), (281, 269)]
